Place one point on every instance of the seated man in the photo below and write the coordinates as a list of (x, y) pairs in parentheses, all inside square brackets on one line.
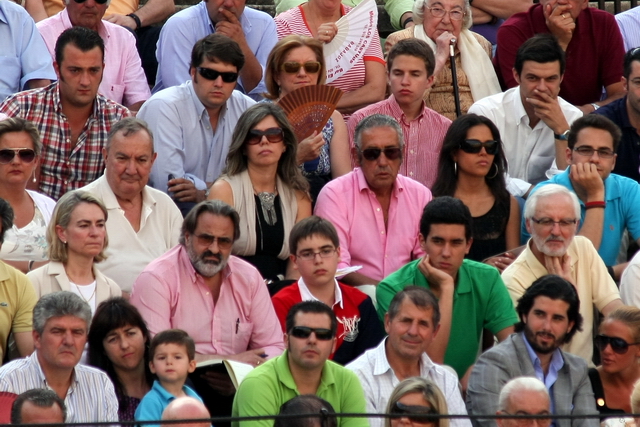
[(192, 123), (302, 369), (358, 325), (549, 317), (609, 203), (72, 117), (551, 216), (143, 222), (523, 396), (410, 65), (471, 295), (186, 408), (589, 36), (60, 324), (532, 119), (253, 30), (629, 22), (375, 210), (412, 323), (38, 406), (123, 79)]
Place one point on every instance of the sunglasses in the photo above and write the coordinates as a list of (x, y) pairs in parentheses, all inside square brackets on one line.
[(473, 146), (323, 334), (97, 1), (207, 240), (273, 135), (310, 67), (416, 413), (391, 153), (209, 74), (618, 345), (25, 154)]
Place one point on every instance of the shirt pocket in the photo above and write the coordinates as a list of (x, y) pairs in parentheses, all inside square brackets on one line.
[(115, 93), (241, 336)]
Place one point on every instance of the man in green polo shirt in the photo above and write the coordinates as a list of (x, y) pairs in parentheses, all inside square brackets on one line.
[(303, 368), (471, 295)]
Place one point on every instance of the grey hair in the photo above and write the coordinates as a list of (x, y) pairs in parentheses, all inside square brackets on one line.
[(518, 385), (40, 397), (377, 121), (430, 393), (421, 297), (17, 124), (548, 191), (418, 13), (129, 126), (58, 304), (214, 207)]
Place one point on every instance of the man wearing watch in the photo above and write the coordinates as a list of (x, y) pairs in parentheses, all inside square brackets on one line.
[(532, 118)]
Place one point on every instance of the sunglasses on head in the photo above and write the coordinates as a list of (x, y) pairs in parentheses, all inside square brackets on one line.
[(25, 154), (474, 146), (618, 345), (391, 153), (322, 334), (310, 67), (209, 74), (273, 135), (416, 413), (97, 1)]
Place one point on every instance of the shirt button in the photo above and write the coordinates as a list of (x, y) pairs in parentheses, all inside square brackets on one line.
[(411, 173), (378, 209), (411, 151), (68, 140), (382, 232), (207, 293)]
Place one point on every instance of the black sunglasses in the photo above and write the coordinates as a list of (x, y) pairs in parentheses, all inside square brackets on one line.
[(474, 146), (391, 153), (25, 154), (310, 67), (416, 413), (618, 345), (273, 135), (323, 334), (209, 74), (97, 1)]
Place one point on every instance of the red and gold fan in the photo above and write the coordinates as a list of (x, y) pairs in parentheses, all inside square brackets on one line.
[(309, 108)]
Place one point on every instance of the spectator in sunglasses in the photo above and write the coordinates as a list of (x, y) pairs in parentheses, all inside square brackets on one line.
[(192, 123), (523, 396), (413, 400), (25, 243), (619, 346), (302, 369), (375, 209)]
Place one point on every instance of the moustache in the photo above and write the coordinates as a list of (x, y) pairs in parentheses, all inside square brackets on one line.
[(209, 254)]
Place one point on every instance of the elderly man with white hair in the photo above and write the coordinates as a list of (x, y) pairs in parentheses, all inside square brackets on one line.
[(523, 396)]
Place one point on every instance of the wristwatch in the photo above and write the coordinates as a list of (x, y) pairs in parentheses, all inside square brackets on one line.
[(562, 136)]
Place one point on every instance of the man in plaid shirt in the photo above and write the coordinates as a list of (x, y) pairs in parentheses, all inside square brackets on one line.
[(73, 119)]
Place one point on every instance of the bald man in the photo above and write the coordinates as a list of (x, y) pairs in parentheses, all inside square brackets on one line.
[(186, 408)]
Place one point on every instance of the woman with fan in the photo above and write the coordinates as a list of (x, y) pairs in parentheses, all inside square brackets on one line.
[(262, 181), (295, 62)]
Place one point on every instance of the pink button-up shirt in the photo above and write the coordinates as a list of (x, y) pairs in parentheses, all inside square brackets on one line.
[(169, 293), (123, 80), (354, 210)]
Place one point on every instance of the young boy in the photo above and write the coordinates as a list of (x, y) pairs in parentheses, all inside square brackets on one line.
[(315, 253), (172, 355)]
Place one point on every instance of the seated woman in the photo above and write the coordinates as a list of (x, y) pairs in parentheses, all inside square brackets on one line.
[(475, 73), (25, 244), (263, 183), (365, 82), (322, 156), (413, 400), (77, 238), (119, 345), (471, 168)]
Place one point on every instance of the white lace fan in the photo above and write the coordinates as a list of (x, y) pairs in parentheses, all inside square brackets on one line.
[(356, 30)]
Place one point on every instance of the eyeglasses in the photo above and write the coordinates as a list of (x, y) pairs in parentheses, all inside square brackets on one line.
[(97, 1), (438, 12), (323, 334), (618, 345), (310, 255), (529, 421), (416, 413), (587, 151), (25, 154), (273, 135), (473, 146), (549, 223), (310, 67), (207, 240), (209, 74), (391, 153)]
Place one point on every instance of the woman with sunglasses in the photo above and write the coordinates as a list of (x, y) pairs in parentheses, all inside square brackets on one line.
[(471, 168), (25, 244), (619, 346), (262, 181), (413, 400), (295, 62)]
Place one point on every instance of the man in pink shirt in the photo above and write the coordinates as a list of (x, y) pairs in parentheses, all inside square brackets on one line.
[(123, 80), (375, 210)]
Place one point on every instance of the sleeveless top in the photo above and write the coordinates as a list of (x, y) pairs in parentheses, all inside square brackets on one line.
[(598, 394), (489, 232)]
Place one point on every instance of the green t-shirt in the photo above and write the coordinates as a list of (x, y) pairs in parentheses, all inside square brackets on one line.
[(480, 300)]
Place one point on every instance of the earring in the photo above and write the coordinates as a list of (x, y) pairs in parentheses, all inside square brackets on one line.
[(455, 168), (495, 173), (34, 176)]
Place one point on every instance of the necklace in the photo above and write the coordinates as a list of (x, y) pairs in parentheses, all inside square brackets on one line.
[(82, 295), (268, 207)]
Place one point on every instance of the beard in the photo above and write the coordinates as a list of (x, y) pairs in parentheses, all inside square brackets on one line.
[(541, 245), (203, 263), (540, 347)]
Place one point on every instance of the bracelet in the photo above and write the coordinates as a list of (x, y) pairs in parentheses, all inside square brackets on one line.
[(595, 106), (597, 204), (137, 19), (406, 21)]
